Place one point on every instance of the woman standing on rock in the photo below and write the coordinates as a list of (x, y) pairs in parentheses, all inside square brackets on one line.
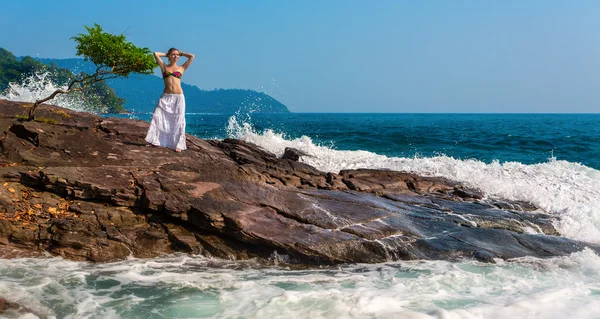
[(167, 128)]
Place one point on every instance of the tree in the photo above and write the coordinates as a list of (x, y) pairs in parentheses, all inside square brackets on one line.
[(113, 56)]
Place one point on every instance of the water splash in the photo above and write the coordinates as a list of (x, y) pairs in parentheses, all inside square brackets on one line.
[(39, 85), (268, 139), (237, 129), (568, 190)]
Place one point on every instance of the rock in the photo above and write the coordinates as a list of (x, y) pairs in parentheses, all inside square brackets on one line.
[(292, 154), (10, 309), (87, 188), (5, 305)]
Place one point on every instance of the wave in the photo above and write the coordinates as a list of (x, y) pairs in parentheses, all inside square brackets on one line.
[(38, 86), (200, 287), (561, 188)]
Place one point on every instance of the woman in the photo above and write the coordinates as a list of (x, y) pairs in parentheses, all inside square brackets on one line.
[(167, 128)]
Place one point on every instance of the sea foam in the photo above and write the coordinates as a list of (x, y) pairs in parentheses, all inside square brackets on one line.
[(569, 190), (38, 86), (199, 287)]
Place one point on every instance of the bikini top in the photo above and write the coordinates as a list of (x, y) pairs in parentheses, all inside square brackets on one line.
[(176, 74)]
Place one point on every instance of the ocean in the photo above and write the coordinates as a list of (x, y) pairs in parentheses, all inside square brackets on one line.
[(550, 160)]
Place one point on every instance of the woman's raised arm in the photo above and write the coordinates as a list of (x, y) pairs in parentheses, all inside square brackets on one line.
[(157, 57), (190, 59)]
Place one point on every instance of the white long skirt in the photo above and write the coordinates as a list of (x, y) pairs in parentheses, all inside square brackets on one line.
[(167, 128)]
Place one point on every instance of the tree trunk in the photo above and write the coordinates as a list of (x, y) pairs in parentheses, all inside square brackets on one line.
[(37, 103)]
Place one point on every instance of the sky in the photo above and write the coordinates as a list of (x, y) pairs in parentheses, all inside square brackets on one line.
[(510, 56)]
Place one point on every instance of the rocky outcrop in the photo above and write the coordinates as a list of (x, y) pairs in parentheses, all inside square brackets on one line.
[(14, 310), (88, 188)]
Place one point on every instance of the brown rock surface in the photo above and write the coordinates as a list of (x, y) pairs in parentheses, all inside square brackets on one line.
[(88, 188)]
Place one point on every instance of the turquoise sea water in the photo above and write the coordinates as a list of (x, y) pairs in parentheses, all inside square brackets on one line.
[(524, 138), (550, 160)]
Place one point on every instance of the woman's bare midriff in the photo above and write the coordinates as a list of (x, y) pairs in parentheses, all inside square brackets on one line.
[(173, 86)]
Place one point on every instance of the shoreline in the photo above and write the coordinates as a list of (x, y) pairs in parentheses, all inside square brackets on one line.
[(85, 187)]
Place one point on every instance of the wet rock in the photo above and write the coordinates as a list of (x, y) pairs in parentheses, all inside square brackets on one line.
[(292, 154), (111, 197), (14, 310)]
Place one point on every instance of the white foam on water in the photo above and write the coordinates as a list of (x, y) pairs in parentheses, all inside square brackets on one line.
[(38, 86), (569, 190), (197, 287)]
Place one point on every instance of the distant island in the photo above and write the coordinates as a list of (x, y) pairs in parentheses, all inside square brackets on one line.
[(141, 92)]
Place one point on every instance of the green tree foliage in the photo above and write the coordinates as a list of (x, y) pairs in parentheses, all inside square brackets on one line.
[(99, 97), (113, 56)]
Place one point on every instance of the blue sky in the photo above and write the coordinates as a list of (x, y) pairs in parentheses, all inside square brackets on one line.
[(352, 56)]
